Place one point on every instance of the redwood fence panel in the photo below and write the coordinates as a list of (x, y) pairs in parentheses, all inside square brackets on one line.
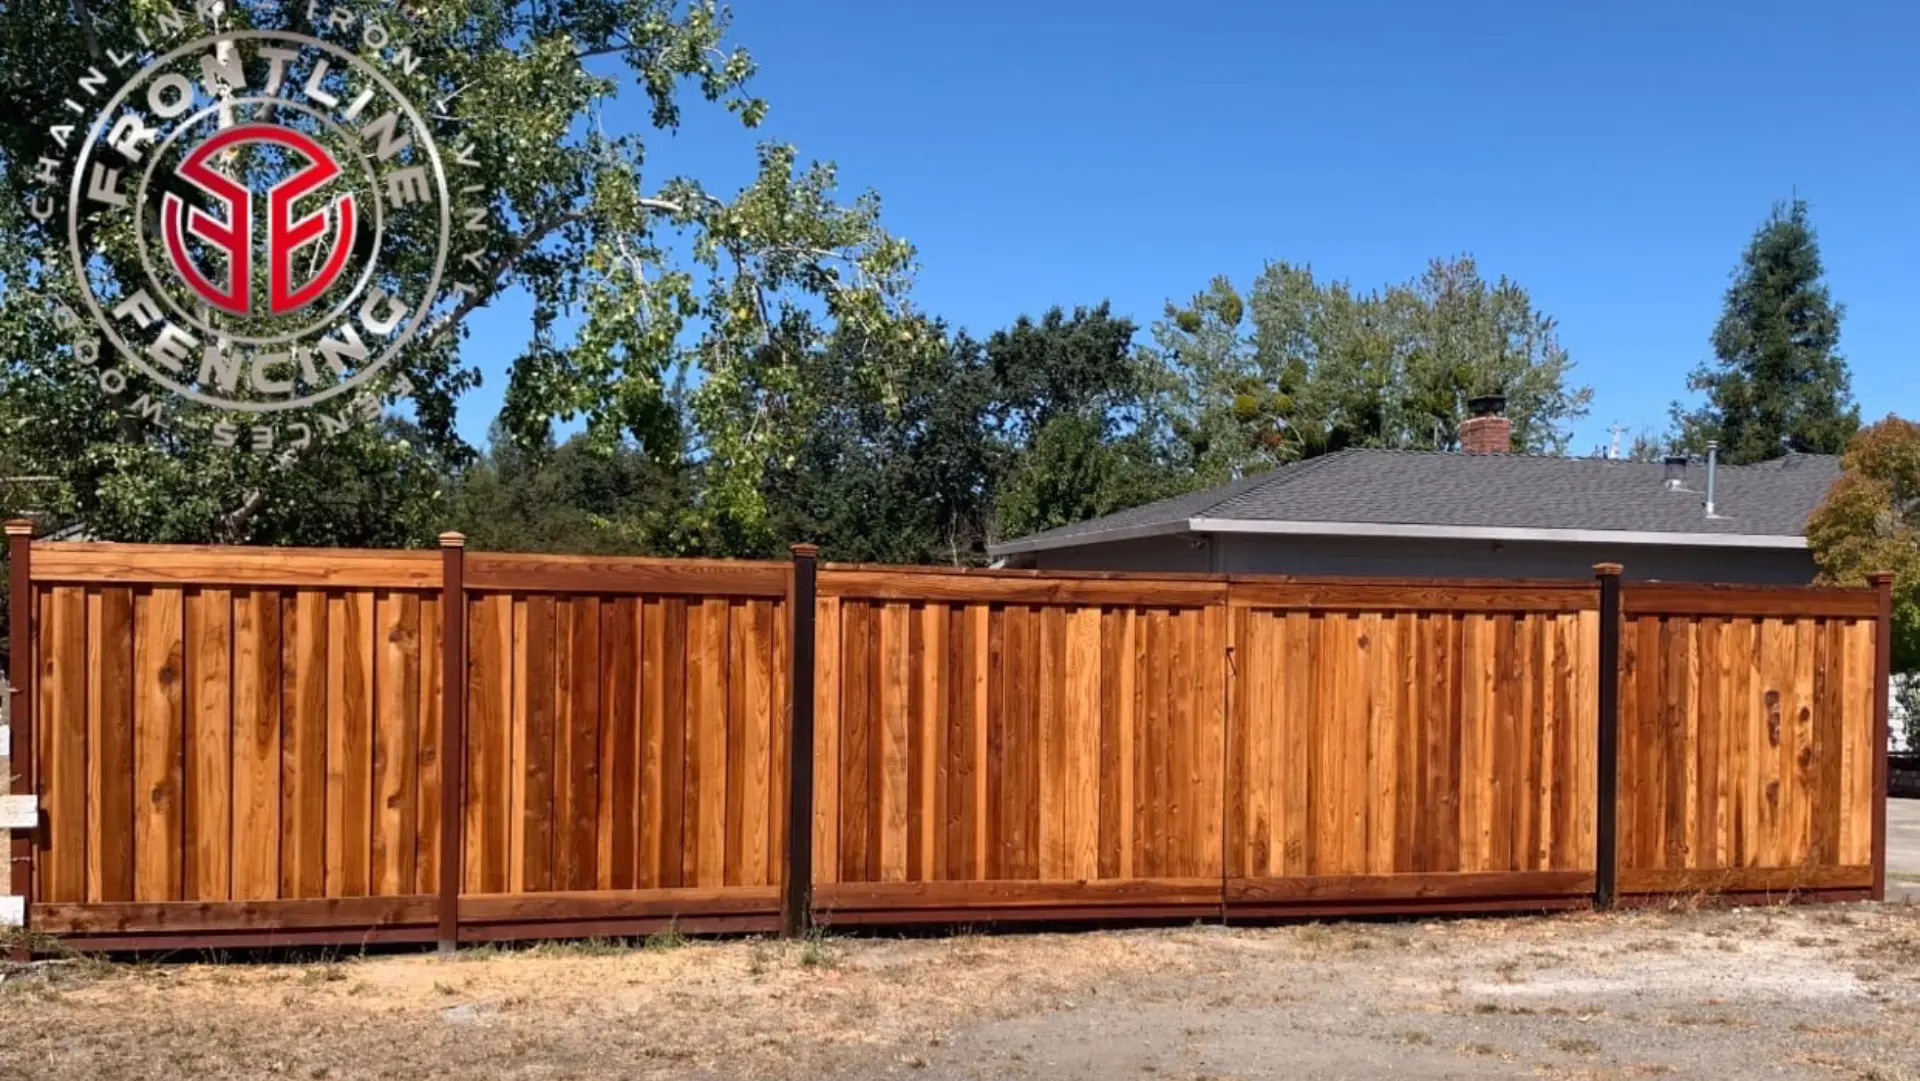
[(1749, 734), (1015, 746), (1393, 743), (626, 754), (253, 746), (237, 743)]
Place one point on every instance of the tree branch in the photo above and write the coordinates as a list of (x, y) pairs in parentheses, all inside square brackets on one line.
[(237, 520)]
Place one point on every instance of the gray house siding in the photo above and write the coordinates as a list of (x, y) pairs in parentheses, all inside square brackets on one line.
[(1383, 557)]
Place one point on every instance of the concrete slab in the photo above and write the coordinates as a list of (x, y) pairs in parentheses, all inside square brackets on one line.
[(1903, 850)]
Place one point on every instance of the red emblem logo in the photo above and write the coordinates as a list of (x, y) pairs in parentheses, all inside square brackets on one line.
[(285, 235)]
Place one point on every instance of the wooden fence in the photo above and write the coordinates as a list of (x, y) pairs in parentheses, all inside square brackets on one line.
[(245, 746)]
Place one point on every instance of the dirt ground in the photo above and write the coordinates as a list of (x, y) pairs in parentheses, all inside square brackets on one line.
[(1828, 993)]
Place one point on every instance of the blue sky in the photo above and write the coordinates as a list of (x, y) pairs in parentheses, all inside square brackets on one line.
[(1612, 158)]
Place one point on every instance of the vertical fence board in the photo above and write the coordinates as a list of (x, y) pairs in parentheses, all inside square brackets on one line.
[(209, 750), (678, 819), (490, 710), (395, 742), (63, 728), (576, 814), (110, 781), (258, 687), (159, 744), (827, 719), (432, 771), (350, 667), (620, 798), (757, 805), (303, 746)]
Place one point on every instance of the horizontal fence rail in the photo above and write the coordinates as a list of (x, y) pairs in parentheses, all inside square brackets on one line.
[(285, 746)]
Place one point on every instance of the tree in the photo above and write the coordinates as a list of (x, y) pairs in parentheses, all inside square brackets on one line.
[(1778, 382), (636, 275), (1076, 408), (897, 472), (1042, 423), (1870, 522), (577, 497), (1319, 366)]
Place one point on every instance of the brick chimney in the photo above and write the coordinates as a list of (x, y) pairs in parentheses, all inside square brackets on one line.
[(1487, 430)]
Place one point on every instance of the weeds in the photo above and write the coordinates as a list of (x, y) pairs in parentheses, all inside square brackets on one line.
[(667, 938), (815, 949)]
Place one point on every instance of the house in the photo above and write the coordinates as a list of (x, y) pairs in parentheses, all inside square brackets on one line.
[(1478, 513)]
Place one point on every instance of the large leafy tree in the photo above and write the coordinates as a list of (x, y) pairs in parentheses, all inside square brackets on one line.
[(1870, 522), (1078, 409), (1777, 382), (1300, 366), (637, 274), (896, 472), (1044, 422), (576, 497)]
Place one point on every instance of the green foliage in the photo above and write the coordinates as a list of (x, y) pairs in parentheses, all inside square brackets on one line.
[(1778, 382), (1043, 423), (637, 276), (1078, 413), (578, 497), (893, 471), (1300, 367), (1073, 472), (1870, 522)]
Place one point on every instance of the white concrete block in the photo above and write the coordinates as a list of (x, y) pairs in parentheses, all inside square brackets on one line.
[(19, 812)]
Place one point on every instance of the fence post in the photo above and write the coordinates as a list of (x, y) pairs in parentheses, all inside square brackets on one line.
[(453, 733), (24, 762), (1882, 682), (1607, 793), (796, 905)]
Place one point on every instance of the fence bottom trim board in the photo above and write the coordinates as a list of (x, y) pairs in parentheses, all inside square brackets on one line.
[(1404, 906), (1745, 879), (1410, 887), (141, 917), (1014, 893), (975, 915), (528, 930), (262, 939), (618, 904)]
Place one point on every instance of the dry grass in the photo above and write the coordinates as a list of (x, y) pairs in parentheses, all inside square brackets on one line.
[(582, 1006), (1453, 991)]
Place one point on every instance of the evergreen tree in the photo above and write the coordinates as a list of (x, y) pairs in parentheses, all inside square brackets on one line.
[(1778, 383)]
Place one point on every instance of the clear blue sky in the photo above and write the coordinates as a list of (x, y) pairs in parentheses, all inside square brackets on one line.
[(1612, 158)]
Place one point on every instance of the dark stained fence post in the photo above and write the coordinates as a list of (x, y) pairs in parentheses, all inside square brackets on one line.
[(453, 733), (20, 664), (1882, 682), (1607, 793), (796, 906)]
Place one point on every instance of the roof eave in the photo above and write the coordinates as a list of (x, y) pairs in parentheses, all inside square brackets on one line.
[(1044, 543), (1497, 533)]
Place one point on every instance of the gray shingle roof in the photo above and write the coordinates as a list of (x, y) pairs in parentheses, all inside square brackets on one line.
[(1503, 491)]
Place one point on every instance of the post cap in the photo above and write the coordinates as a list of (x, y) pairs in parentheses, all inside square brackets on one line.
[(806, 551), (19, 527), (1877, 578), (453, 540), (1607, 570)]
